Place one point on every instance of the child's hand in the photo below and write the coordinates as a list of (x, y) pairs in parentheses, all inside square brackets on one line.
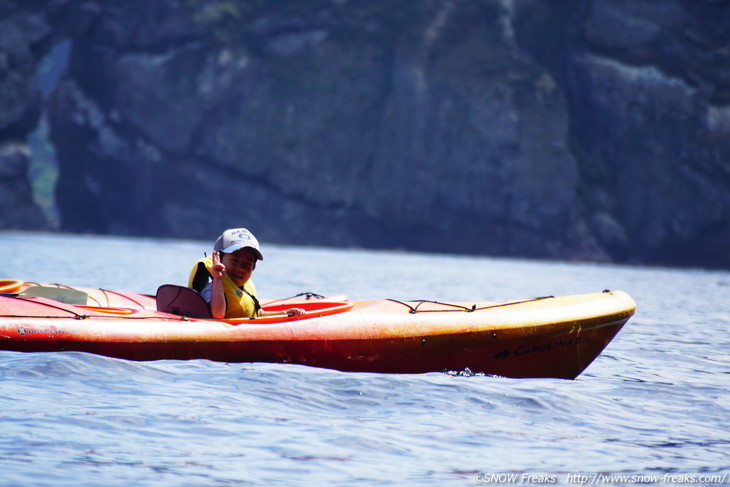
[(298, 312), (217, 270)]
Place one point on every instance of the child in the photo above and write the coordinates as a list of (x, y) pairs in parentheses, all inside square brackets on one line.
[(231, 293)]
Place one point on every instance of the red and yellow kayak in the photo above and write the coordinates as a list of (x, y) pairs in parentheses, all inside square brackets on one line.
[(538, 337)]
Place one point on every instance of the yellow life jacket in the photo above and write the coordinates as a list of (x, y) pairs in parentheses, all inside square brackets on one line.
[(240, 303)]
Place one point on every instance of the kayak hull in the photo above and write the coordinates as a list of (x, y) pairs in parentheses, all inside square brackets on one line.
[(544, 337)]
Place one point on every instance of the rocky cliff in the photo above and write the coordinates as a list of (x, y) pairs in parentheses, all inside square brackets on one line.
[(553, 129)]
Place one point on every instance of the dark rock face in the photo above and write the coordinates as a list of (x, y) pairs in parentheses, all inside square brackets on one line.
[(19, 209), (19, 110), (572, 130), (650, 104)]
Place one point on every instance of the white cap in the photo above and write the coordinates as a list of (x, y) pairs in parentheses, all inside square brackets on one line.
[(237, 238)]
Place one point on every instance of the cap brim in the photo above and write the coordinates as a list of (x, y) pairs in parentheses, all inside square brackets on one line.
[(233, 248)]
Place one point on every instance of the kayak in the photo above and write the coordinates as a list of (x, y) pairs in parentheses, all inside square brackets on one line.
[(535, 337)]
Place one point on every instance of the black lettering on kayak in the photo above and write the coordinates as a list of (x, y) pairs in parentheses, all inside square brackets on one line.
[(543, 347), (44, 331)]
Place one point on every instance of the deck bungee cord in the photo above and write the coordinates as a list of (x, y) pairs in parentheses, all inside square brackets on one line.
[(105, 292), (305, 295), (68, 307), (458, 307), (117, 313)]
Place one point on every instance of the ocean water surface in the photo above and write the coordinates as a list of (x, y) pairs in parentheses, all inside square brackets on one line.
[(654, 408)]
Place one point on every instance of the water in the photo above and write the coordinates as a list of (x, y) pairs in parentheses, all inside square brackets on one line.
[(655, 404)]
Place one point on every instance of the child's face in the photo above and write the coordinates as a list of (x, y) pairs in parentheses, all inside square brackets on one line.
[(239, 265)]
